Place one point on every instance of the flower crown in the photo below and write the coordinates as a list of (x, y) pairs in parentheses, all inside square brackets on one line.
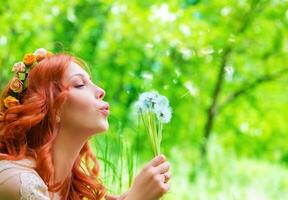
[(18, 84)]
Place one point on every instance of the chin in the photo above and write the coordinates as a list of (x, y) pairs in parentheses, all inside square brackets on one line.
[(103, 127)]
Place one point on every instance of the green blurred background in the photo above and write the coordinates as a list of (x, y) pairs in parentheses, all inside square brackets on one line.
[(222, 64)]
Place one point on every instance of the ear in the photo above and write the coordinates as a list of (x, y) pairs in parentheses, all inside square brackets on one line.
[(58, 119), (58, 114)]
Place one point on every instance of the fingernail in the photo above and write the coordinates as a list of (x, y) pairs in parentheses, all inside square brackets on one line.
[(162, 157)]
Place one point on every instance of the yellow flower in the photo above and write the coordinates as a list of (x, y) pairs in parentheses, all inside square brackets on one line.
[(16, 85), (10, 102), (29, 59)]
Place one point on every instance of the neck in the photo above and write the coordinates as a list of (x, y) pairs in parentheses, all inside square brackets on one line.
[(66, 148)]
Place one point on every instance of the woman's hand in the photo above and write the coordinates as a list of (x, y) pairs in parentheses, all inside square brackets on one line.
[(152, 181), (114, 197)]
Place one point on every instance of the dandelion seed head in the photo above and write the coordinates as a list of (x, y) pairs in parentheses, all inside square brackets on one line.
[(165, 114), (156, 103), (162, 103), (148, 100)]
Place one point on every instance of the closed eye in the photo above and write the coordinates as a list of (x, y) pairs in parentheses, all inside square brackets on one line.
[(79, 86)]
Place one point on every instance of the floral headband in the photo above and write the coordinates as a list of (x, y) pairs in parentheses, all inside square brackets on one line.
[(19, 81)]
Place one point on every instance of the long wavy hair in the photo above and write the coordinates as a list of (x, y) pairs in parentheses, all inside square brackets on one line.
[(29, 129)]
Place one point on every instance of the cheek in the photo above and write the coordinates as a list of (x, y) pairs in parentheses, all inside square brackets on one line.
[(81, 109), (79, 102)]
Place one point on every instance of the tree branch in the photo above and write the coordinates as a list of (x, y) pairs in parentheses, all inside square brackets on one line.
[(250, 86), (211, 111), (217, 90)]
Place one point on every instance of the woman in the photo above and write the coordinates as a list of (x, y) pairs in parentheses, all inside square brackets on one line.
[(48, 112)]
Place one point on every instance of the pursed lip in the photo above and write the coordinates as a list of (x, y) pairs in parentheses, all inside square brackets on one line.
[(105, 109)]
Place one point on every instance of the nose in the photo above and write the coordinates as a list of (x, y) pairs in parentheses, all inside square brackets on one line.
[(100, 93)]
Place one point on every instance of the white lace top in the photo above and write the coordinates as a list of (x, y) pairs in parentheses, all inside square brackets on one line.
[(32, 185)]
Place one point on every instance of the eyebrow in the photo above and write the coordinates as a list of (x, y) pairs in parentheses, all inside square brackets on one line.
[(82, 75)]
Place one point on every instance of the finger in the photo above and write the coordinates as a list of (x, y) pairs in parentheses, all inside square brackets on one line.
[(157, 160), (167, 177), (162, 168), (163, 178), (164, 188), (160, 178)]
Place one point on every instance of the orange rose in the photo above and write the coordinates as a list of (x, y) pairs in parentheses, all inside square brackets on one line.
[(29, 59), (16, 85), (39, 57), (40, 54), (10, 102), (18, 67)]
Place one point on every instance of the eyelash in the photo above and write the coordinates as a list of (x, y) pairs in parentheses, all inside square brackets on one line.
[(79, 86)]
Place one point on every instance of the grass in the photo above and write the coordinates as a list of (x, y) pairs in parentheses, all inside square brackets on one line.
[(223, 177)]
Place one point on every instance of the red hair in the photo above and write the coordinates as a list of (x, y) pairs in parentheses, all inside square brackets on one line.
[(30, 128)]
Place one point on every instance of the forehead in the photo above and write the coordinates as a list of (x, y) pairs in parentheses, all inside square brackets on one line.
[(73, 69)]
